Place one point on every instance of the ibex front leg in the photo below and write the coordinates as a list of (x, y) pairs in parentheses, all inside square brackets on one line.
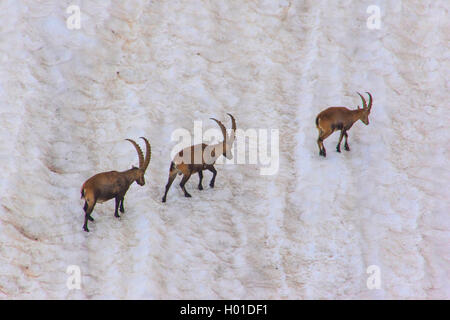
[(346, 147), (121, 205), (214, 172), (338, 147), (200, 176), (116, 213)]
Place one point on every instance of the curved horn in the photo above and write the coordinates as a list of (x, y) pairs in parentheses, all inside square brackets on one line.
[(139, 151), (370, 101), (222, 127), (148, 153), (363, 100), (233, 128)]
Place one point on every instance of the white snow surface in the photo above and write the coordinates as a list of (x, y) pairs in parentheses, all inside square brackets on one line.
[(69, 98)]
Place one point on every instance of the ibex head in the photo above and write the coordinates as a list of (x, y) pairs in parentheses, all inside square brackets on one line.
[(227, 141), (143, 163), (365, 109)]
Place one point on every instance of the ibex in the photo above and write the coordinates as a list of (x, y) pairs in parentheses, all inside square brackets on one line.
[(196, 158), (340, 118), (112, 184)]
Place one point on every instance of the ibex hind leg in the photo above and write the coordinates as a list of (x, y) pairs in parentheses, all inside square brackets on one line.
[(322, 151), (322, 137), (183, 182), (87, 216), (85, 208), (172, 176)]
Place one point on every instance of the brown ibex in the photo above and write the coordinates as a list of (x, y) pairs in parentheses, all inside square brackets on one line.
[(196, 158), (340, 118), (112, 184)]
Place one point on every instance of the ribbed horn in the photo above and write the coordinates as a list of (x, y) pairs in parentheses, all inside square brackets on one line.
[(222, 127), (233, 128), (148, 153), (370, 101), (363, 100), (139, 151)]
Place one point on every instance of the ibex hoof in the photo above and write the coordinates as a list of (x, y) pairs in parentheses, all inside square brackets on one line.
[(211, 185), (187, 195), (91, 219), (86, 229), (122, 210), (200, 187), (163, 199), (338, 150), (347, 148), (117, 216)]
